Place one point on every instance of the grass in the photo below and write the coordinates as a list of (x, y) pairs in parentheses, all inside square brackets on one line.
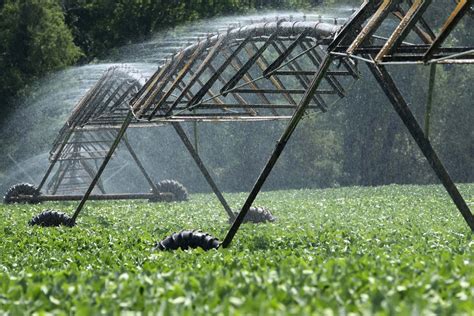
[(387, 250)]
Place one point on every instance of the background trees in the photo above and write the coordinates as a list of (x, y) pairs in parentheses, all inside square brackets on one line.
[(33, 40)]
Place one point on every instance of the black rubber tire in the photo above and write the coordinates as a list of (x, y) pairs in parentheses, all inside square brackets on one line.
[(188, 239), (177, 190), (51, 218), (257, 215), (14, 192)]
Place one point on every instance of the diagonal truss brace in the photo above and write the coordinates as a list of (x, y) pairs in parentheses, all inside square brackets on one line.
[(197, 159), (114, 146), (56, 158), (460, 10), (140, 165), (401, 107), (296, 118), (405, 26), (101, 169)]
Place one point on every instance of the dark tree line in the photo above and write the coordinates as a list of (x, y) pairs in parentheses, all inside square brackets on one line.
[(33, 41)]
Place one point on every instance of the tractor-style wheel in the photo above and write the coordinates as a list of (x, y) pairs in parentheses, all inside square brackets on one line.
[(22, 193), (172, 188), (50, 218), (188, 239), (257, 215)]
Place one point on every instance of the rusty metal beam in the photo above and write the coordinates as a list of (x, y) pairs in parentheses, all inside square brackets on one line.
[(333, 82), (142, 100), (284, 55), (166, 75), (255, 105), (303, 80), (421, 28), (124, 95), (250, 82), (404, 28), (211, 94), (218, 72), (216, 117), (284, 91), (461, 9), (309, 73), (179, 78), (246, 67), (202, 67), (349, 31), (276, 82), (95, 197), (236, 96), (374, 22), (85, 116)]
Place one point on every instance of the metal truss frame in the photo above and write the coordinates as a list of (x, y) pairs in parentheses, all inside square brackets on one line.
[(282, 70), (355, 41)]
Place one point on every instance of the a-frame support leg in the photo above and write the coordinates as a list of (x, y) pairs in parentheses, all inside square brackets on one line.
[(197, 159), (56, 158), (101, 169), (389, 87), (297, 116), (140, 165), (59, 176), (90, 172), (54, 179)]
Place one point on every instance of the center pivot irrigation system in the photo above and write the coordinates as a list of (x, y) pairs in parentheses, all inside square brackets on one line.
[(277, 70), (84, 142)]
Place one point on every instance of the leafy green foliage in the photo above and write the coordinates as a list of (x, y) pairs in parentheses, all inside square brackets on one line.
[(384, 250), (33, 40)]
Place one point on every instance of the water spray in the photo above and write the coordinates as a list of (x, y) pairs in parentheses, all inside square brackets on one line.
[(298, 64)]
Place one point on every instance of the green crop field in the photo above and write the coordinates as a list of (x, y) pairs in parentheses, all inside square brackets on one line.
[(388, 250)]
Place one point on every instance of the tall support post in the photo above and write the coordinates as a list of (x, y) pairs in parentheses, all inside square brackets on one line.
[(55, 158), (389, 87), (90, 172), (111, 151), (196, 136), (296, 118), (429, 102), (197, 159), (140, 165)]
